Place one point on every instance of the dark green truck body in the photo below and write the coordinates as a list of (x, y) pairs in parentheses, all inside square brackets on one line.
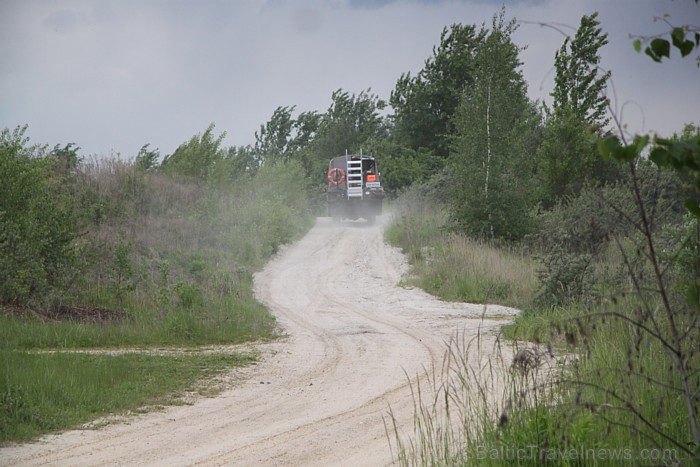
[(354, 188)]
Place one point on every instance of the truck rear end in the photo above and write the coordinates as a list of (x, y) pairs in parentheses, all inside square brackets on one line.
[(354, 190)]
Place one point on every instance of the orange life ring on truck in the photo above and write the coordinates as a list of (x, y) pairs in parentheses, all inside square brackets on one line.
[(336, 176)]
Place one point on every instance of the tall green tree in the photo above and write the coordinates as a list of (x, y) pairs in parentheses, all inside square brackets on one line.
[(497, 130), (237, 162), (352, 123), (400, 166), (577, 85), (284, 138), (272, 142), (196, 157), (424, 105), (147, 159), (568, 159)]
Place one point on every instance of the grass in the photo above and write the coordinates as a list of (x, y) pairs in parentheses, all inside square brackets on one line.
[(616, 394), (241, 321), (46, 392), (455, 267), (554, 326), (172, 259), (460, 269), (608, 397), (461, 407)]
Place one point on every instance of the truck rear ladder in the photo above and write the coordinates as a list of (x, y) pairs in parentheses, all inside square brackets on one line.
[(354, 177)]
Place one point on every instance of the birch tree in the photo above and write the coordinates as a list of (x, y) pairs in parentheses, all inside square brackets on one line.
[(496, 133)]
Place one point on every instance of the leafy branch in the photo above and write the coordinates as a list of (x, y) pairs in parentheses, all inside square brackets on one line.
[(685, 38)]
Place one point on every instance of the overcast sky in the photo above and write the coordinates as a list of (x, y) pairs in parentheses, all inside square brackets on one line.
[(111, 76)]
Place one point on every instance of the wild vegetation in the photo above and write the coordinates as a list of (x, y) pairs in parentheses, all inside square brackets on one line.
[(593, 233), (107, 254), (605, 227), (153, 251)]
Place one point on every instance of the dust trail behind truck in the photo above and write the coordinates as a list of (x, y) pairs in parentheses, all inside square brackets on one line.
[(354, 189)]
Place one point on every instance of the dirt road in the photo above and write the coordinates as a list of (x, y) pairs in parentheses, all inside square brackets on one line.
[(320, 395)]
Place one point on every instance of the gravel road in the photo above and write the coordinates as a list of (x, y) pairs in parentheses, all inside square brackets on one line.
[(320, 395)]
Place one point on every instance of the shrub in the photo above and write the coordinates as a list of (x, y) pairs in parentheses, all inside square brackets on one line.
[(575, 235), (37, 223)]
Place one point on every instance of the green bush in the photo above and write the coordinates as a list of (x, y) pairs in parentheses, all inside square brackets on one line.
[(37, 223), (575, 236), (171, 255), (272, 209), (197, 157)]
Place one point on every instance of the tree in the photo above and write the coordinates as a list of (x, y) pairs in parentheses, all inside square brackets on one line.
[(424, 105), (147, 159), (400, 166), (497, 129), (197, 157), (284, 138), (662, 319), (237, 162), (272, 143), (577, 86), (567, 160), (38, 223), (352, 123)]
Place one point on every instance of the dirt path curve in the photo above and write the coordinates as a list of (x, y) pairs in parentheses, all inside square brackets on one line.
[(320, 395)]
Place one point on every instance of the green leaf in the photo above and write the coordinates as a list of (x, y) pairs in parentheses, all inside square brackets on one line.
[(677, 36), (693, 207), (686, 48), (660, 156), (658, 49), (627, 153), (608, 147), (637, 44), (640, 142), (651, 54), (679, 41)]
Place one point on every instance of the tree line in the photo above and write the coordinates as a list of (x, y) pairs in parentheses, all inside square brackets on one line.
[(463, 127), (463, 124)]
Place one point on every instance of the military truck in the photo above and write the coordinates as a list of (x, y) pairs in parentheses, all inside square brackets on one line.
[(354, 190)]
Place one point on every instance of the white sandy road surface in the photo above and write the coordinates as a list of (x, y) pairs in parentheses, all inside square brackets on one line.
[(320, 395)]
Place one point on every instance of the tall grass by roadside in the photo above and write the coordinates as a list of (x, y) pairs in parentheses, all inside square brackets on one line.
[(464, 409), (453, 266), (581, 399), (621, 320)]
